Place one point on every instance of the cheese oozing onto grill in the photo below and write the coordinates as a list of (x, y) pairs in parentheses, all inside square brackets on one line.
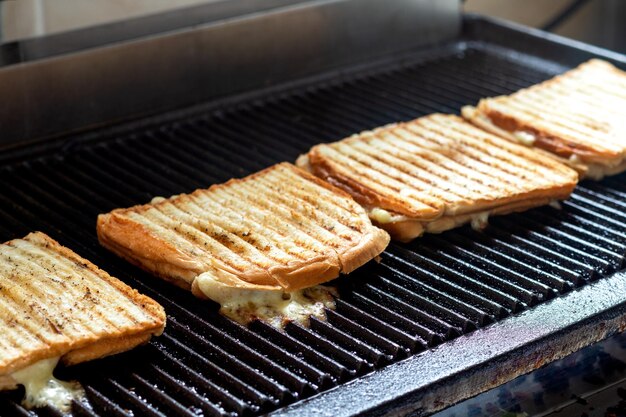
[(555, 204), (275, 307), (43, 389)]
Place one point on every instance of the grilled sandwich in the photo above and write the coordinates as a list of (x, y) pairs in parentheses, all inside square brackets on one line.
[(257, 245), (55, 305), (577, 117), (437, 172)]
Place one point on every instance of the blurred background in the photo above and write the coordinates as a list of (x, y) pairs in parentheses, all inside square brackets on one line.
[(599, 22)]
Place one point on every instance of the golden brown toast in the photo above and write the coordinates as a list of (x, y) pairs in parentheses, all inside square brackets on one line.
[(577, 116), (55, 303), (437, 172), (278, 229)]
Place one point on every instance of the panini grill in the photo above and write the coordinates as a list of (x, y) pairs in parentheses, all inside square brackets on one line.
[(436, 321)]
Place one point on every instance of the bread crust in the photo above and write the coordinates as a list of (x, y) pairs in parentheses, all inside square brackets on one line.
[(156, 251), (82, 345)]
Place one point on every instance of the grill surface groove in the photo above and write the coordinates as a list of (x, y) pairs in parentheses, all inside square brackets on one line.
[(420, 295)]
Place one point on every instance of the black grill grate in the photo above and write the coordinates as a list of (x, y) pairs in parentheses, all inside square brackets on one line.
[(420, 295)]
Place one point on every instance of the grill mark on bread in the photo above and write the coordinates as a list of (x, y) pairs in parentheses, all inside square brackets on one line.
[(472, 158), (214, 228), (307, 191), (590, 120), (312, 187), (13, 254), (567, 92), (337, 218), (402, 172), (159, 223), (262, 235), (433, 163), (47, 264), (201, 248), (36, 317), (387, 187), (463, 154), (246, 232), (579, 122), (312, 223), (291, 222), (514, 155), (26, 332), (492, 155)]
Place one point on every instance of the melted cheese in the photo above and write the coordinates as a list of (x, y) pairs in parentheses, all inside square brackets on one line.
[(275, 307), (383, 216), (43, 389), (279, 308), (380, 215), (556, 204), (480, 220), (524, 138), (574, 159)]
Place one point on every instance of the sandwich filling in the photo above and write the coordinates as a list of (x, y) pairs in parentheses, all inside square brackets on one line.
[(273, 306), (43, 389)]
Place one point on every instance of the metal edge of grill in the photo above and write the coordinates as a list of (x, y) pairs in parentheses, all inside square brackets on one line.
[(517, 344)]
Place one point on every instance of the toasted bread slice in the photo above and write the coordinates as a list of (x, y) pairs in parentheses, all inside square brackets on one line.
[(53, 303), (281, 229), (577, 116), (437, 172)]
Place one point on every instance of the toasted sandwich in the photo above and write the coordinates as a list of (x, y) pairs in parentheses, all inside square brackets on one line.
[(577, 117), (55, 305), (257, 245), (437, 172)]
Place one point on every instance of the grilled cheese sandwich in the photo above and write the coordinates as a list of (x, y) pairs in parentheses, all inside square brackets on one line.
[(265, 238), (56, 306), (576, 117), (437, 172)]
